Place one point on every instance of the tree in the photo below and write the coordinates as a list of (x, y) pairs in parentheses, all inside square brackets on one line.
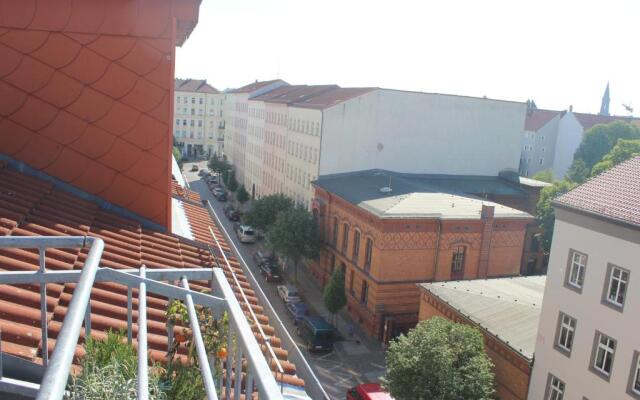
[(544, 176), (578, 172), (294, 235), (334, 295), (622, 151), (600, 139), (232, 185), (439, 360), (218, 165), (242, 195), (264, 211), (178, 156), (544, 210)]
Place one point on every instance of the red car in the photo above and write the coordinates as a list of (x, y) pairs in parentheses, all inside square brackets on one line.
[(368, 391)]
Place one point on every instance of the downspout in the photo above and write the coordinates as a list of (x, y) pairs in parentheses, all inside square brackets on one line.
[(435, 260)]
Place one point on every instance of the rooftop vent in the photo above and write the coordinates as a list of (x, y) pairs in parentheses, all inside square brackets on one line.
[(386, 189)]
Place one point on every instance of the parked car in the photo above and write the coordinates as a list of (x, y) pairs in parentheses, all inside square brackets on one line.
[(194, 167), (212, 179), (246, 234), (316, 333), (288, 294), (368, 391), (271, 271), (220, 194), (201, 172), (231, 213), (261, 256), (297, 311)]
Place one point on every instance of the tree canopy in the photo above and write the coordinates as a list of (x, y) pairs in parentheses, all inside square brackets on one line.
[(265, 210), (219, 165), (622, 151), (232, 183), (544, 176), (334, 295), (242, 195), (596, 143), (544, 210), (294, 235), (439, 360)]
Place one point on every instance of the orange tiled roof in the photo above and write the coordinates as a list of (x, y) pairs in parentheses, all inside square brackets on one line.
[(29, 206)]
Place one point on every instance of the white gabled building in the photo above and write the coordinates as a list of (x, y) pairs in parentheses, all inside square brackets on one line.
[(588, 343), (198, 120)]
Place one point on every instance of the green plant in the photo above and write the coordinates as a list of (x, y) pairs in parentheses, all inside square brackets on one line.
[(109, 371), (264, 211), (439, 360), (544, 209), (242, 195), (334, 295), (232, 185)]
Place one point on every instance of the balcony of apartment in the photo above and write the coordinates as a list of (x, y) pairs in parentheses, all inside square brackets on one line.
[(240, 372)]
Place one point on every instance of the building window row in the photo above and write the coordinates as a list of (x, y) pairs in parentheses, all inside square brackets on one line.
[(356, 243), (305, 127)]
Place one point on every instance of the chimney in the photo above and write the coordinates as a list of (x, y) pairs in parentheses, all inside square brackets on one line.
[(485, 240), (570, 108)]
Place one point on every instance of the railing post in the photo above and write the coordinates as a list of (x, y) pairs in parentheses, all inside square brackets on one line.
[(237, 387), (229, 364), (43, 308), (143, 373), (248, 391), (129, 315), (87, 320)]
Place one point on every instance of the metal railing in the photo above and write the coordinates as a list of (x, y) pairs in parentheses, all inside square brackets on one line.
[(242, 345)]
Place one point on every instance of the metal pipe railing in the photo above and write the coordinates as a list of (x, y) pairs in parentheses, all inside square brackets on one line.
[(143, 363), (201, 351)]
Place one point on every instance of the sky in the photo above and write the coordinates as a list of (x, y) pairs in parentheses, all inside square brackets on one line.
[(556, 52)]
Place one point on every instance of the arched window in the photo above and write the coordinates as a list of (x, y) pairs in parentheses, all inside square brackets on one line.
[(334, 238), (457, 262), (356, 246), (368, 253), (345, 237)]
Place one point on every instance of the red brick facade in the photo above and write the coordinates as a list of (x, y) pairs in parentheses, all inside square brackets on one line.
[(512, 370), (382, 294)]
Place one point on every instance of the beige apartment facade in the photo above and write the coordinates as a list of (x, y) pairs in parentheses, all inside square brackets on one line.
[(588, 346), (198, 118), (285, 138)]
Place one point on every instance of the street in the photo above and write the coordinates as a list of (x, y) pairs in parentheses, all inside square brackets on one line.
[(353, 361)]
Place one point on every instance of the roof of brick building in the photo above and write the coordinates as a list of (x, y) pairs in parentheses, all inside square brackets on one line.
[(30, 206), (257, 85), (589, 120), (614, 194), (537, 118), (507, 308)]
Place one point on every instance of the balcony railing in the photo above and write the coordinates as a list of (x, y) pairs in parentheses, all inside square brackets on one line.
[(258, 377)]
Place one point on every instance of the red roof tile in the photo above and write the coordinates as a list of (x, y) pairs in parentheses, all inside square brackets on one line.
[(29, 206), (614, 194), (536, 119)]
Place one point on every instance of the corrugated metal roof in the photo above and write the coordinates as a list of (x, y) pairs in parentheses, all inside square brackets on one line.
[(508, 308)]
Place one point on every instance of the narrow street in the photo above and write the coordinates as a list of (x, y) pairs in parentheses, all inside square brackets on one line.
[(353, 361)]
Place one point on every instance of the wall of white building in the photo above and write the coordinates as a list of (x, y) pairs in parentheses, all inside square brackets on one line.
[(539, 147), (422, 133), (570, 133), (197, 119), (603, 243)]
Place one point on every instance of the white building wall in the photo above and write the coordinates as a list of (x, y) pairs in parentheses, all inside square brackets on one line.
[(422, 133), (539, 147), (196, 120), (569, 137), (601, 249)]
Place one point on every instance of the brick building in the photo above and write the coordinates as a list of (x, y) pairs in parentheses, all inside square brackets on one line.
[(505, 310), (423, 229)]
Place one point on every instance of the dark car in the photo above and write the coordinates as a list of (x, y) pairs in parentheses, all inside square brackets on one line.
[(316, 333), (297, 311), (220, 194), (232, 214), (261, 256), (270, 271), (194, 168)]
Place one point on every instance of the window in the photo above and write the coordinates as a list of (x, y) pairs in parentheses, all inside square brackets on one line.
[(184, 122), (364, 292), (351, 278), (634, 384), (603, 358), (356, 245), (193, 100), (457, 261), (345, 237), (566, 332), (200, 123), (368, 253), (617, 285), (334, 238), (576, 270), (555, 389)]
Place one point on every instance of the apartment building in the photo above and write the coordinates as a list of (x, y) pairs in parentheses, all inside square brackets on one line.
[(198, 128), (387, 238), (236, 105), (300, 132), (588, 345), (551, 138)]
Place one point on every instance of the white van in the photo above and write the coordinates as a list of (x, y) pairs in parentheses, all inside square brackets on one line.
[(246, 234)]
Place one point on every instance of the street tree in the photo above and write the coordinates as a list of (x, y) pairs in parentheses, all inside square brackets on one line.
[(294, 235), (218, 165), (232, 185), (242, 195), (334, 295), (598, 141), (439, 360), (622, 151), (264, 211), (544, 176), (544, 210)]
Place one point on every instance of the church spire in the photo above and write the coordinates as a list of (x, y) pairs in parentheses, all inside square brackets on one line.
[(604, 107)]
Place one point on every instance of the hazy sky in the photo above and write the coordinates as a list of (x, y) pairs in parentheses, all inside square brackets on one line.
[(557, 52)]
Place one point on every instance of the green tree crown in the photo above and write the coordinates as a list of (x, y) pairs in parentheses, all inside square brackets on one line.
[(265, 210), (544, 210), (334, 295), (242, 195)]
